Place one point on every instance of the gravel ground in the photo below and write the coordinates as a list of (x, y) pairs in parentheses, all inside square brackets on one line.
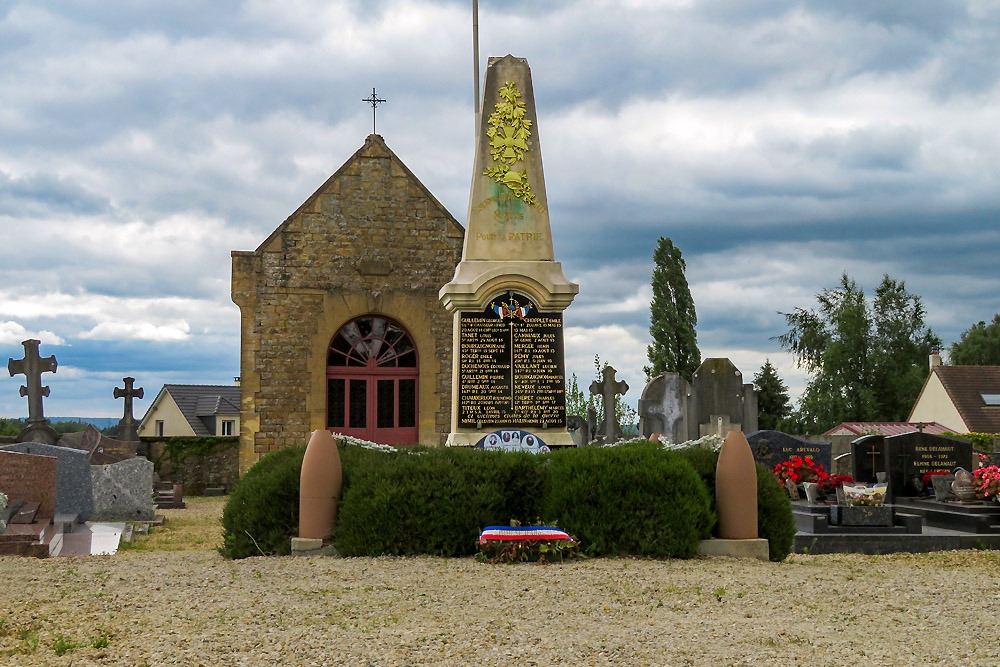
[(191, 607)]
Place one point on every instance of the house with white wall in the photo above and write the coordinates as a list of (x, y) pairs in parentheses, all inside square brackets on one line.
[(193, 410)]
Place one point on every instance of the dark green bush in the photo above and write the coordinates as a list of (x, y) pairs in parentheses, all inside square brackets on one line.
[(262, 512), (704, 462), (633, 499), (774, 515), (436, 502)]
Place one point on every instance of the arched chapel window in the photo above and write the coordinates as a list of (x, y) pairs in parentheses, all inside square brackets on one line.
[(372, 378)]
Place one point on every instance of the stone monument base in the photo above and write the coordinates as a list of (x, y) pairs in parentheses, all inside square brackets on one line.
[(755, 548), (551, 437), (309, 546)]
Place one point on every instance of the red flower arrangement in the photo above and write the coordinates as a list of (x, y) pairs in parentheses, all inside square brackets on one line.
[(800, 469), (926, 477), (987, 482)]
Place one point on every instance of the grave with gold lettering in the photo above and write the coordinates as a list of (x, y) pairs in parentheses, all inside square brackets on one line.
[(508, 292)]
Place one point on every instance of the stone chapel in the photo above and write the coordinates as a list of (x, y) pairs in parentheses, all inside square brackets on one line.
[(341, 325)]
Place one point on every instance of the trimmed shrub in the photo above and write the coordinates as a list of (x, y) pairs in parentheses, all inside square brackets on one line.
[(436, 502), (262, 513), (631, 499), (774, 515), (704, 462)]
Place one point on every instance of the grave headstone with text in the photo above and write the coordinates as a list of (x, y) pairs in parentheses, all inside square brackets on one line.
[(717, 391), (773, 447), (123, 490), (508, 292), (74, 488), (911, 455)]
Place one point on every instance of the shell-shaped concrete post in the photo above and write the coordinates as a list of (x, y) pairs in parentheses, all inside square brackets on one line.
[(736, 489), (319, 486)]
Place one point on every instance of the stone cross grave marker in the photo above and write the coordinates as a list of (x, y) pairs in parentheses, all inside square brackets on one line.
[(32, 366), (608, 389), (127, 429)]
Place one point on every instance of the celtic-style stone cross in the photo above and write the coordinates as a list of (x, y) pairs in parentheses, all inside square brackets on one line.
[(32, 367), (126, 427), (608, 389)]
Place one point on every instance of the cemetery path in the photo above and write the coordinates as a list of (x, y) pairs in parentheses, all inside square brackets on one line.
[(189, 606)]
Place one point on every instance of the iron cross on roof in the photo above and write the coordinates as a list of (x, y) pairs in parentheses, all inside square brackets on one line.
[(32, 367), (374, 100)]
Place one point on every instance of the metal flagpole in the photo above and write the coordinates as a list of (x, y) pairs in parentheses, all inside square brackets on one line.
[(475, 56)]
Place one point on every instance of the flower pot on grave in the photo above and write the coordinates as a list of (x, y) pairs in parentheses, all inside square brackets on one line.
[(812, 492), (942, 487), (963, 488)]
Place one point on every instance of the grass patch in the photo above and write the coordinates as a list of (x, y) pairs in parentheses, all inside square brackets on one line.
[(191, 529)]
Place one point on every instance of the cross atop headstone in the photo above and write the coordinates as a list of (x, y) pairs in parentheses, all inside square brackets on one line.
[(32, 367), (608, 389), (374, 100), (126, 427)]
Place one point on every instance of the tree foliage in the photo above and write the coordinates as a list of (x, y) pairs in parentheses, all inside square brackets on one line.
[(672, 316), (868, 358), (979, 345), (772, 397)]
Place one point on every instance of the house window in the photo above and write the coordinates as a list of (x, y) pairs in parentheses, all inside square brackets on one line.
[(991, 399), (228, 426), (159, 427)]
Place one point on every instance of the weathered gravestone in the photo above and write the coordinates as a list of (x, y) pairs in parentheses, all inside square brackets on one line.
[(911, 455), (868, 458), (123, 490), (74, 488), (36, 426), (609, 389), (102, 449), (718, 392), (128, 429), (773, 447), (664, 407)]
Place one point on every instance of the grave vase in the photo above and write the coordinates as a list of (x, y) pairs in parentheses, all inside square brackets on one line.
[(812, 492)]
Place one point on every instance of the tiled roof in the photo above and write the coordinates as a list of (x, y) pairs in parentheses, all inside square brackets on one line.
[(965, 386), (204, 400), (889, 428)]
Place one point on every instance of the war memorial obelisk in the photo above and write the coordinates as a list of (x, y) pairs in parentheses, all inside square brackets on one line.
[(508, 293)]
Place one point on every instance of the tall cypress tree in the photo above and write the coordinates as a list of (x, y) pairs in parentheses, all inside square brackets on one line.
[(672, 316)]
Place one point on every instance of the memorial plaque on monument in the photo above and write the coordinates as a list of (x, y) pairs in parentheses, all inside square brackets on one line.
[(513, 440), (868, 458), (511, 366), (911, 455), (773, 447)]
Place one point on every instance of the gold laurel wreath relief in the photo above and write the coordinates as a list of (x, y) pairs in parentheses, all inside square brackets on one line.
[(509, 132)]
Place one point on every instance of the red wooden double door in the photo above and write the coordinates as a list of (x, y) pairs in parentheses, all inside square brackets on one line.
[(372, 377)]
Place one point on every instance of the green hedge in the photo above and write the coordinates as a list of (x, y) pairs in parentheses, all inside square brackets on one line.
[(634, 499), (437, 502)]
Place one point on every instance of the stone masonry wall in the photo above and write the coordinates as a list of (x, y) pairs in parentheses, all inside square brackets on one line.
[(372, 239)]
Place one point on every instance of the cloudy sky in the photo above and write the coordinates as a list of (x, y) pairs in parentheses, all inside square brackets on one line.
[(777, 143)]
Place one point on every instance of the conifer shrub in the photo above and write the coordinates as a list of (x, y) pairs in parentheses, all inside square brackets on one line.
[(628, 500), (436, 502), (774, 515)]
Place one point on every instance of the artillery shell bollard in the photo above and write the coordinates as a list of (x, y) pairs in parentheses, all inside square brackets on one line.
[(319, 490)]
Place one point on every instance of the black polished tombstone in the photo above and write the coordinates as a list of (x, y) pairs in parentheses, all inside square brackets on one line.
[(911, 455), (773, 447), (868, 458)]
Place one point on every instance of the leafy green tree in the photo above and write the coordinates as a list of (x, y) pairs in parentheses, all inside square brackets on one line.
[(868, 359), (772, 397), (672, 316), (979, 345), (10, 426)]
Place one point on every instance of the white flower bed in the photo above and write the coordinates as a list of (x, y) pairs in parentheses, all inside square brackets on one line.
[(711, 442), (366, 444)]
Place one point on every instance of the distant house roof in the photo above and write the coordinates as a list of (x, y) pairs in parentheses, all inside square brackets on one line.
[(886, 428), (966, 386), (197, 401)]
